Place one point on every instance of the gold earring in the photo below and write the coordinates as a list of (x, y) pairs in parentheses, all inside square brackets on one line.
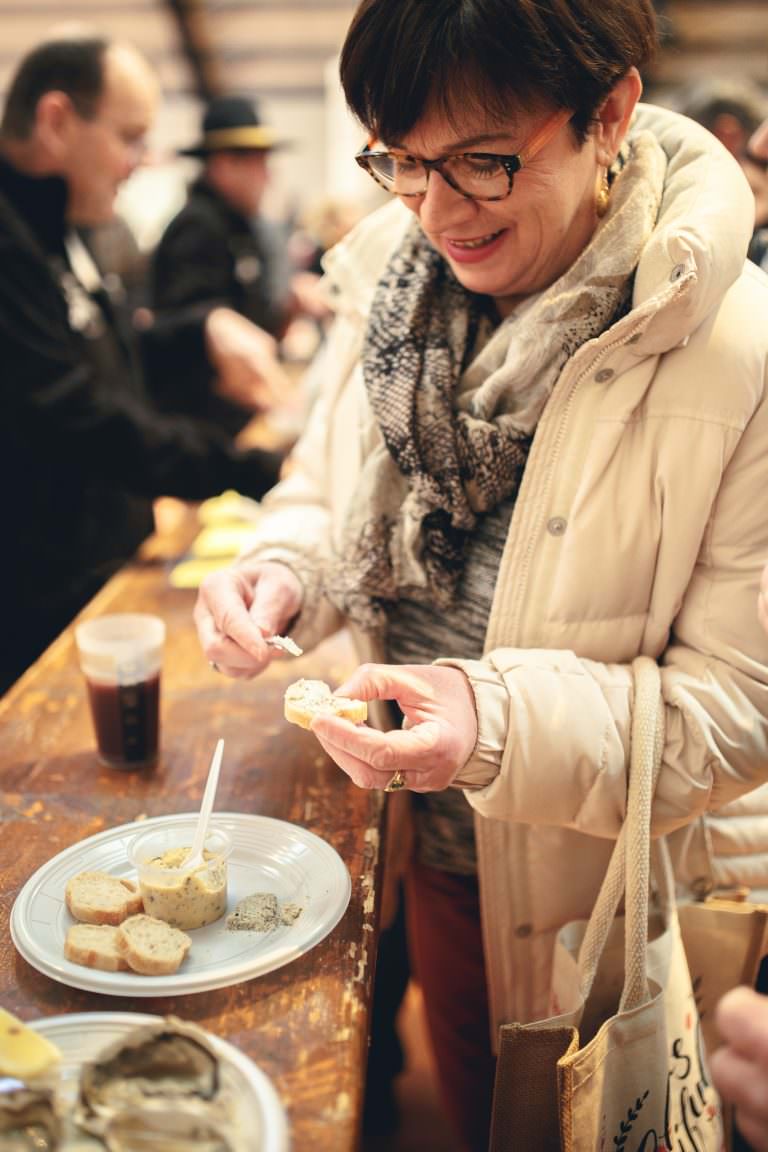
[(603, 194)]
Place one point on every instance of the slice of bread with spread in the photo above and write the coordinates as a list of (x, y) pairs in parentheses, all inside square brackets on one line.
[(95, 946), (99, 898), (305, 699), (150, 946)]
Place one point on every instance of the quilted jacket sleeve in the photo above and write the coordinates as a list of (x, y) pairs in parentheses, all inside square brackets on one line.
[(553, 744)]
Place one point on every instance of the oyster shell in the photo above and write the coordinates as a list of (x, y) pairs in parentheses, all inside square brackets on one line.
[(167, 1131), (157, 1088), (167, 1059), (28, 1118)]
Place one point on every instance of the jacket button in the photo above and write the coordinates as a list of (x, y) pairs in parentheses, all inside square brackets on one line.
[(604, 374), (557, 526), (523, 930)]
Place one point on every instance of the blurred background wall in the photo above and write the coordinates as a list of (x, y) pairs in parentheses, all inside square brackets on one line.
[(284, 53)]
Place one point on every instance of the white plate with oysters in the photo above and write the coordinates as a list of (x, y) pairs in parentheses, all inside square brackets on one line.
[(298, 869), (128, 1081)]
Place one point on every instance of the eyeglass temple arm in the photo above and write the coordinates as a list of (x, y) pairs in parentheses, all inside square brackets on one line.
[(545, 134)]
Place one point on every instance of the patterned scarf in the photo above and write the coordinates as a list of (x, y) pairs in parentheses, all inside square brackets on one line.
[(456, 434)]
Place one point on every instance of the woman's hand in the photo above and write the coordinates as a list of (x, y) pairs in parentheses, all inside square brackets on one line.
[(438, 735), (237, 607), (740, 1068), (762, 600)]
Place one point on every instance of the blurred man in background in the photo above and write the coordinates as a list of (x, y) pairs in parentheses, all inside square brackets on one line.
[(220, 249), (82, 450)]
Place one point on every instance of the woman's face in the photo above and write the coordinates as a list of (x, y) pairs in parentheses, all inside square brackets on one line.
[(510, 248)]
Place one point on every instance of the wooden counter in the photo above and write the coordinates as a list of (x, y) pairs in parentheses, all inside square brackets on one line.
[(306, 1024)]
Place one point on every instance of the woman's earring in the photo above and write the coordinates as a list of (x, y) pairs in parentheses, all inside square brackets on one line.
[(603, 194)]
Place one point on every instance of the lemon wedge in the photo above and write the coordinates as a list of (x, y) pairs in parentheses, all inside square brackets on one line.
[(23, 1052)]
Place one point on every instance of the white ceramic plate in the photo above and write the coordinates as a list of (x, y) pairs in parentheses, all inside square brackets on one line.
[(267, 856), (82, 1036)]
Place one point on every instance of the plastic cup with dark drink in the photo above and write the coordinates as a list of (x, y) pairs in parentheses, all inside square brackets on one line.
[(121, 659)]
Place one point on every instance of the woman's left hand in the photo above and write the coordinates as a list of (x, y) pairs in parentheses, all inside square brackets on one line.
[(437, 738)]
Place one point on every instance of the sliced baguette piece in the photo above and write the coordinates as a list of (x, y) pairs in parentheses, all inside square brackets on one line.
[(95, 946), (150, 946), (307, 698), (99, 898)]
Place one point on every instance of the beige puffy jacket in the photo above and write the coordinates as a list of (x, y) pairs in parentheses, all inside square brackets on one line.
[(641, 527)]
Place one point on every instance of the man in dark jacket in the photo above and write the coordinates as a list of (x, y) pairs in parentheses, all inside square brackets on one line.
[(219, 250), (83, 452)]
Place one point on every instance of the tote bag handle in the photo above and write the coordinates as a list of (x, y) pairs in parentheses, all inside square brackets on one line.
[(629, 869)]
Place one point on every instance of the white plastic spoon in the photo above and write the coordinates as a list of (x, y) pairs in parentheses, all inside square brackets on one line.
[(195, 858)]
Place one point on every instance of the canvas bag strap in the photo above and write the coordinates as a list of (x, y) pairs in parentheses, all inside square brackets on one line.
[(647, 742), (628, 871)]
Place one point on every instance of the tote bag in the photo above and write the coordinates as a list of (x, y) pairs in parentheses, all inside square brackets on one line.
[(620, 1064)]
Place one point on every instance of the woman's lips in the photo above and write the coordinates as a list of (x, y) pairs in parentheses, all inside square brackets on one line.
[(473, 250)]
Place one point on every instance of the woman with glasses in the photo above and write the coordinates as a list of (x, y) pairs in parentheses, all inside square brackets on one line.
[(537, 452)]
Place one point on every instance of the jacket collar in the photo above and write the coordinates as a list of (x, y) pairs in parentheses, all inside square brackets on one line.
[(202, 190), (40, 201), (702, 233)]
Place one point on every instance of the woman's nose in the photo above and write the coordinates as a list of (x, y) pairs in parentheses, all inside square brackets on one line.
[(442, 206)]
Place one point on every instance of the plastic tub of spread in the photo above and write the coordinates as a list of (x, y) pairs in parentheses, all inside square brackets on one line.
[(182, 897)]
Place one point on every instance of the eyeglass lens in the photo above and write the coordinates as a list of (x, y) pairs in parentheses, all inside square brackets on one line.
[(477, 176)]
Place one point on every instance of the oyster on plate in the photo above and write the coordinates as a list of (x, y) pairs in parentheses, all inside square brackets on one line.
[(159, 1089), (28, 1118), (164, 1132)]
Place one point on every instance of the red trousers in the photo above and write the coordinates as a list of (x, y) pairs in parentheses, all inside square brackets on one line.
[(446, 949)]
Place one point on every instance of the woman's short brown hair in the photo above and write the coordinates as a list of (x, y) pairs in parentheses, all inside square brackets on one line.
[(489, 55)]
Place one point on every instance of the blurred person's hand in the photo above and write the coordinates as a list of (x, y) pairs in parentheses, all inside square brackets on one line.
[(244, 358), (309, 297), (739, 1068), (238, 607), (437, 738), (762, 600)]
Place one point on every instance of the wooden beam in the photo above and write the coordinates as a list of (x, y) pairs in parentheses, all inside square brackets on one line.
[(192, 22)]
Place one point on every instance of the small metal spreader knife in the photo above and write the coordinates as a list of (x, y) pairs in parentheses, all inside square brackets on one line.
[(285, 643)]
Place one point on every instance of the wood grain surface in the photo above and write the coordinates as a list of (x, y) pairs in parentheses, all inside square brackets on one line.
[(307, 1024)]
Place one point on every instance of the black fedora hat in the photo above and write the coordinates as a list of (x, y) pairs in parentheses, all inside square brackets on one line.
[(232, 124)]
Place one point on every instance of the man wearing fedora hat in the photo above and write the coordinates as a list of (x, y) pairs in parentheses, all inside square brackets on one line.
[(217, 249)]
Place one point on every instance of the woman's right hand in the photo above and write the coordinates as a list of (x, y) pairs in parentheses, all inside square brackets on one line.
[(237, 607)]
